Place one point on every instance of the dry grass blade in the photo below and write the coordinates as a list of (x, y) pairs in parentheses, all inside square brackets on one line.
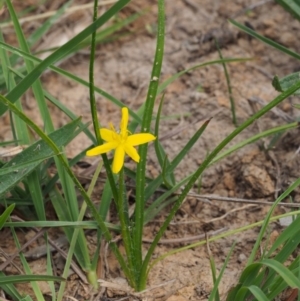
[(51, 13)]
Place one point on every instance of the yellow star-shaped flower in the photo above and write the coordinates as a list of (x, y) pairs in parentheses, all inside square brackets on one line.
[(121, 142)]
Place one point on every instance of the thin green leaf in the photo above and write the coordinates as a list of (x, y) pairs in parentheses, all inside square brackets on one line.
[(265, 40), (171, 79), (58, 224), (146, 127), (160, 153), (283, 271), (151, 188), (28, 278), (218, 280), (241, 294), (4, 216), (249, 274), (290, 231), (258, 293), (291, 6), (254, 138), (232, 104), (39, 150)]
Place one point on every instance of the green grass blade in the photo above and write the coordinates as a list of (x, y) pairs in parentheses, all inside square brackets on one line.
[(171, 79), (123, 214), (146, 126), (283, 271), (91, 274), (250, 273), (10, 289), (232, 104), (4, 216), (269, 284), (218, 280), (277, 285), (28, 278), (254, 138), (241, 294), (291, 6), (37, 291), (290, 231), (151, 188), (258, 293), (21, 166), (160, 153), (266, 40), (58, 224), (94, 108)]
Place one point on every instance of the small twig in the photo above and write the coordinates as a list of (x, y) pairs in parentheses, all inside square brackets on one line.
[(238, 200), (229, 212), (250, 7), (28, 243), (180, 127), (186, 239)]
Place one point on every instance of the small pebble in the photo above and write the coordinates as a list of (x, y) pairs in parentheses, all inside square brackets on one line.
[(242, 257)]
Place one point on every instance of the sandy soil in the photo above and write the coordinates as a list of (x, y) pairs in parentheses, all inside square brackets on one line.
[(123, 69)]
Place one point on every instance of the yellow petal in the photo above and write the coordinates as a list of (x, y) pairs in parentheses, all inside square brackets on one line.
[(101, 149), (131, 152), (138, 139), (118, 159), (124, 121), (107, 135)]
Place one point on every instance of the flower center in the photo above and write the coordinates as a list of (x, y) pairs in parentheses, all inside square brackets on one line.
[(121, 136)]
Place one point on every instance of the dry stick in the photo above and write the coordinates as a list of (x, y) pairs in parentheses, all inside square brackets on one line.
[(129, 290), (8, 258), (13, 256), (181, 127), (238, 200), (206, 197), (186, 239), (229, 212)]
